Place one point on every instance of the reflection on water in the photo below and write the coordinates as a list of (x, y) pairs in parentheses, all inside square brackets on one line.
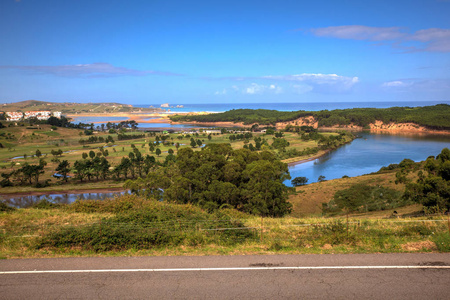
[(27, 201), (88, 120), (368, 154)]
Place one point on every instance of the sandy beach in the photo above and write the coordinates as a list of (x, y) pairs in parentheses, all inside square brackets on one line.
[(160, 117)]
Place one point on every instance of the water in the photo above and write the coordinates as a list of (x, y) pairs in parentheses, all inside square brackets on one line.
[(98, 121), (168, 126), (88, 120), (221, 107), (364, 155), (368, 154), (27, 201)]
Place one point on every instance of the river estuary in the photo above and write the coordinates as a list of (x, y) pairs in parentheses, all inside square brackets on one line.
[(369, 153), (364, 155)]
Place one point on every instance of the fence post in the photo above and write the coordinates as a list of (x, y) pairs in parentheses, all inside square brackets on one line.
[(347, 225), (448, 220), (261, 238)]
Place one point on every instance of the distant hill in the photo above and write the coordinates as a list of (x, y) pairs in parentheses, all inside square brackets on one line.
[(432, 117), (71, 107)]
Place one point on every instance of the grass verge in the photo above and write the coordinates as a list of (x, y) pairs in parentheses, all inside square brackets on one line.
[(130, 225)]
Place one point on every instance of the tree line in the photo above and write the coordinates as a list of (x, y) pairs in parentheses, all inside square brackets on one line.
[(220, 177), (433, 117)]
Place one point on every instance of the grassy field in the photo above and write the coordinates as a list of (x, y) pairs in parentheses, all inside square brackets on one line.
[(23, 141), (133, 226), (309, 198), (69, 107)]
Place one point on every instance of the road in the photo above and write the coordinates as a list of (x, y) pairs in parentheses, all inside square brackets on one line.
[(346, 276)]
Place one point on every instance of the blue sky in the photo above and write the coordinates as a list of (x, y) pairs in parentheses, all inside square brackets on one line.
[(149, 52)]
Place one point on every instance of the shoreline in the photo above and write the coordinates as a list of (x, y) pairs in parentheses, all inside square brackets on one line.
[(65, 191), (305, 160)]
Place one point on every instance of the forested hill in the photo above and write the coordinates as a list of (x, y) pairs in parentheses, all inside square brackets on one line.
[(433, 117), (72, 108)]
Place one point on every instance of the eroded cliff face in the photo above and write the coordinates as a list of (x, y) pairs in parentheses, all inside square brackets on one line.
[(311, 121), (377, 126), (304, 121)]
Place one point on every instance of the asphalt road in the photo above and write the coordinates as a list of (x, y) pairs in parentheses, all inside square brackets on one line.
[(352, 276)]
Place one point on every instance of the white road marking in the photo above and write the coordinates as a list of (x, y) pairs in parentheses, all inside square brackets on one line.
[(223, 269)]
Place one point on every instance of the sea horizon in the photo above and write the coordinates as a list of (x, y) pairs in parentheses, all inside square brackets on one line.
[(289, 106)]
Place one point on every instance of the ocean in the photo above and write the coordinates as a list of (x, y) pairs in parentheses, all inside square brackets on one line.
[(307, 106)]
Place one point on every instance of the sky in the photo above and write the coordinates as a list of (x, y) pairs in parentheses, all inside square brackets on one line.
[(147, 52)]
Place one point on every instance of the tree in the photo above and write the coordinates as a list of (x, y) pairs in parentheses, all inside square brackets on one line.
[(158, 151), (80, 169), (279, 143), (170, 151), (31, 172), (321, 178), (299, 181), (63, 168), (91, 154), (199, 143), (38, 153), (84, 155), (220, 176), (432, 188), (193, 143), (363, 198)]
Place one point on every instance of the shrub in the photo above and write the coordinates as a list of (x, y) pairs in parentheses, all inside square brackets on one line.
[(364, 198), (442, 241), (143, 224), (45, 204), (6, 208)]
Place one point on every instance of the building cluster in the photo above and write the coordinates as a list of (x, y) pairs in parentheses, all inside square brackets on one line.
[(38, 114)]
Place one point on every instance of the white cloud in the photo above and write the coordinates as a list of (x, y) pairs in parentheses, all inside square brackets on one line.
[(436, 39), (252, 89), (419, 85), (302, 88), (319, 82), (298, 83), (360, 32), (223, 92), (396, 83), (432, 40), (87, 70), (255, 88)]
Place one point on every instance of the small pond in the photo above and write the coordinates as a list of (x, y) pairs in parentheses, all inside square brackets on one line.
[(27, 201)]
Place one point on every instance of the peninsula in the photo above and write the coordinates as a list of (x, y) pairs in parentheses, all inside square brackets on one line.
[(427, 119)]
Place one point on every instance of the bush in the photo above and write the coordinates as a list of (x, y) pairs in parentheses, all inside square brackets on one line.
[(363, 198), (420, 229), (6, 208), (144, 224), (45, 204), (442, 241)]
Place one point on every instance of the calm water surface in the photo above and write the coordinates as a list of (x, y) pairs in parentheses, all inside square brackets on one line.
[(368, 154), (27, 201), (364, 155)]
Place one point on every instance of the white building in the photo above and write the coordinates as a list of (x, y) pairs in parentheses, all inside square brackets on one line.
[(38, 114), (14, 116)]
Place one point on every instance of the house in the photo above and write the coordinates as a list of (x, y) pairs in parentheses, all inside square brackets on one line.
[(38, 114), (13, 116), (57, 114)]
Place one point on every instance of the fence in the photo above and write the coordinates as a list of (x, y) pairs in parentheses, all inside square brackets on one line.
[(270, 233)]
